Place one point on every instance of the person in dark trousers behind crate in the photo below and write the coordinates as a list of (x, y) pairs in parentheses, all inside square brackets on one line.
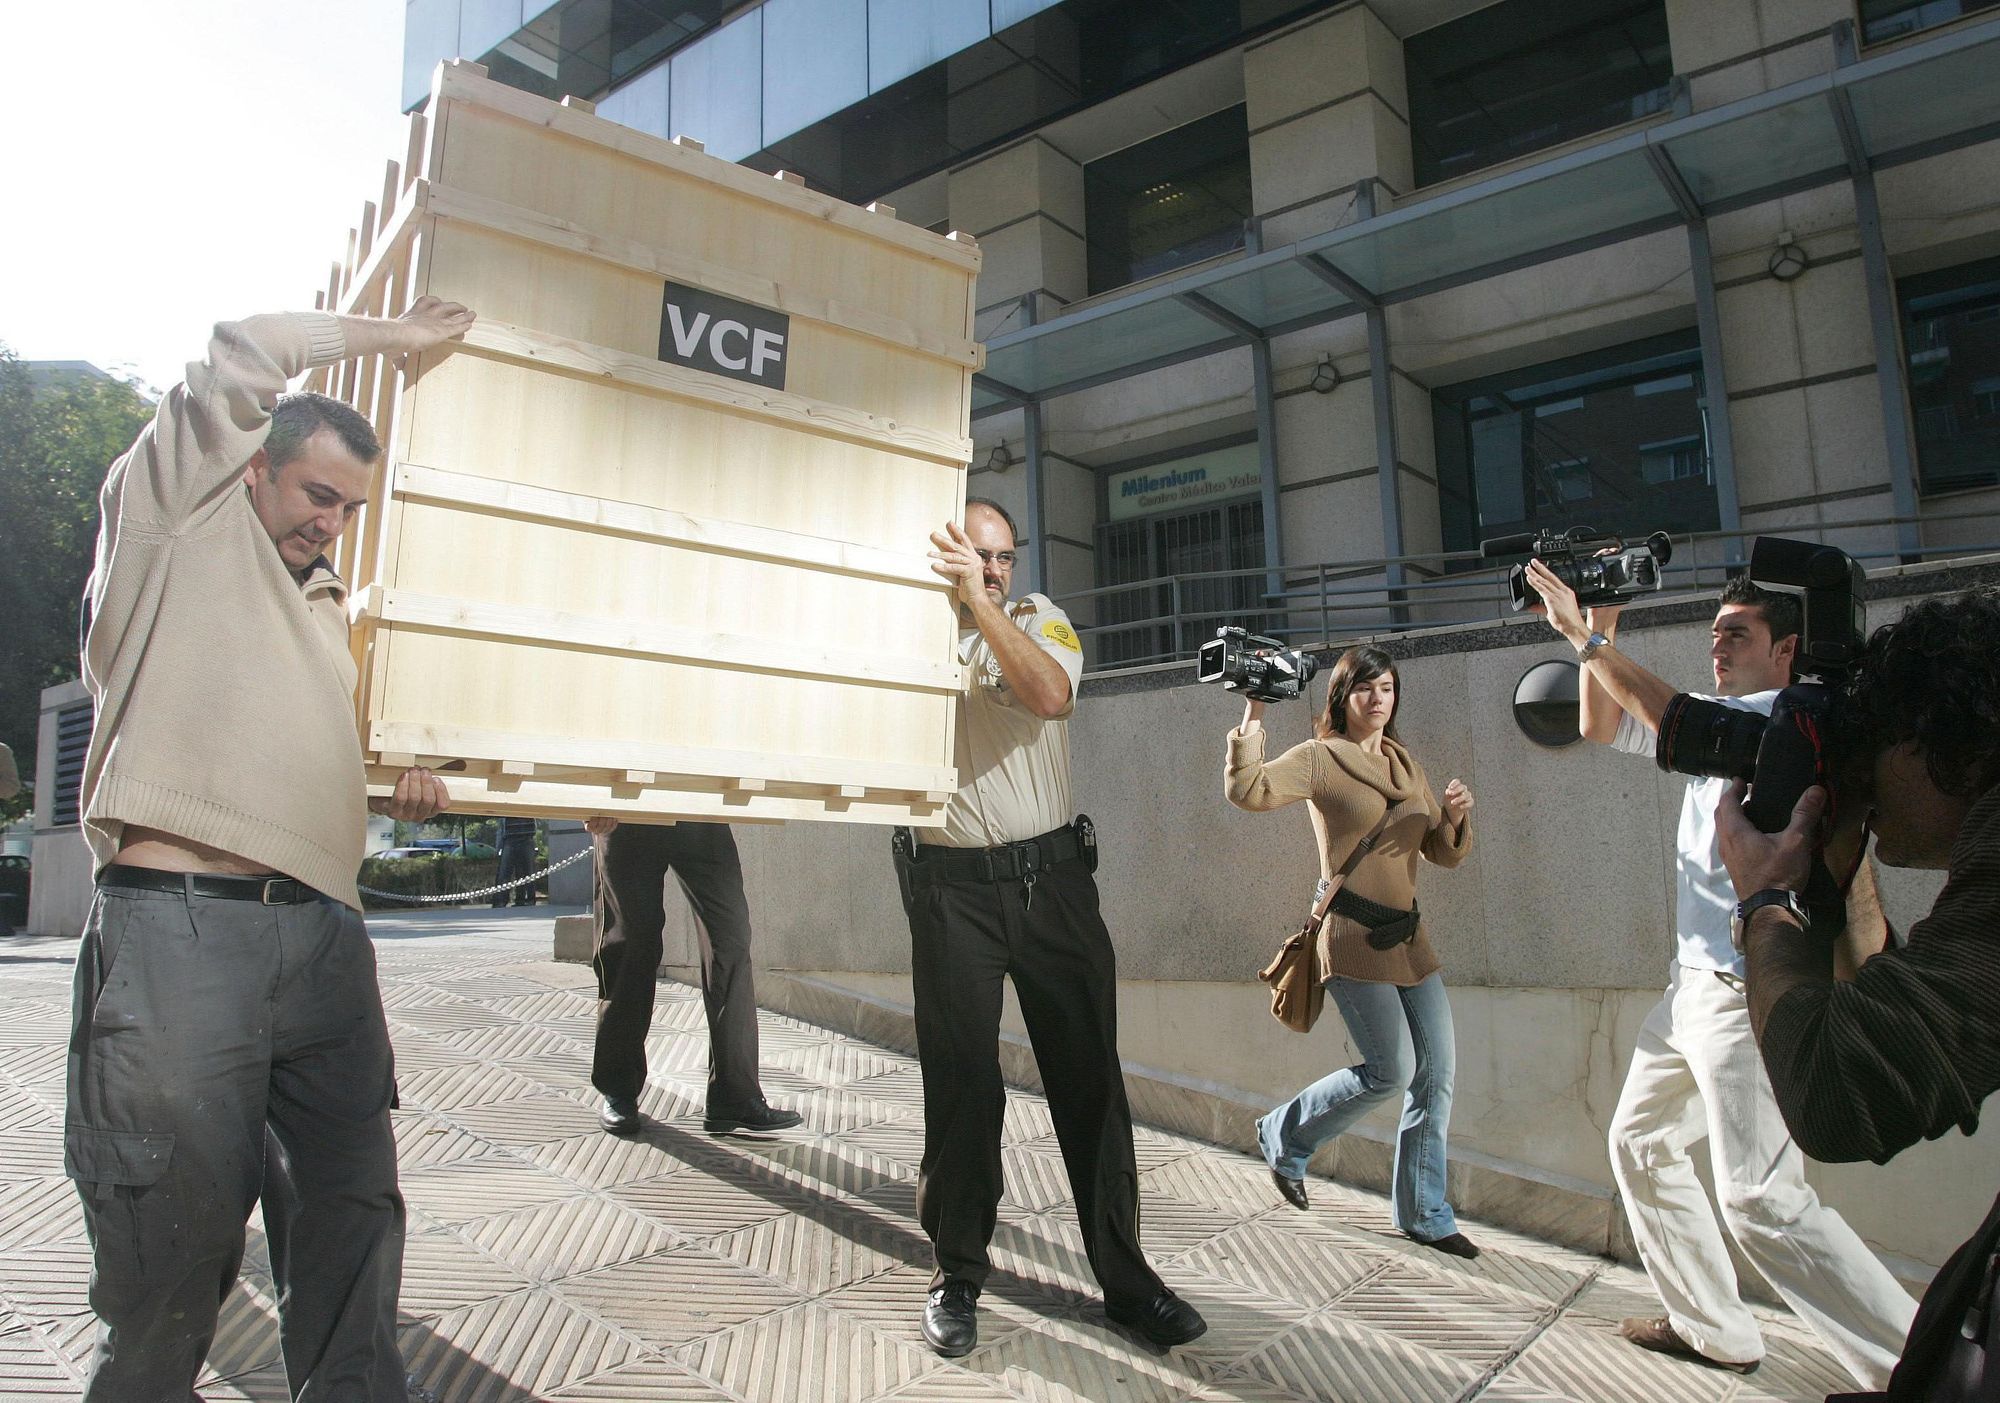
[(1005, 888), (517, 860), (633, 860), (227, 1040)]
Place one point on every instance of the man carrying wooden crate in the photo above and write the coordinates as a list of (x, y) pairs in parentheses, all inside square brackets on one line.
[(1005, 888), (227, 1034)]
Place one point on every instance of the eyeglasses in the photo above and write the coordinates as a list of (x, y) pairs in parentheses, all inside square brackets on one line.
[(1003, 558)]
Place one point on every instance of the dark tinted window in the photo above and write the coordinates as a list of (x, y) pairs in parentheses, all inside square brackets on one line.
[(1613, 440), (1067, 57), (583, 46), (1519, 76), (1179, 198), (1890, 19), (1951, 330)]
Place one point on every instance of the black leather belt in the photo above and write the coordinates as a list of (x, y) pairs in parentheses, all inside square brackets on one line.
[(1387, 927), (1009, 862), (267, 891)]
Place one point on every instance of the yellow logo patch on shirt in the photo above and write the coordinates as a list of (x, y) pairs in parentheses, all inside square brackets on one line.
[(1062, 635)]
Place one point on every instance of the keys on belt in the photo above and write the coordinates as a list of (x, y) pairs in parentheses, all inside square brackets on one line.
[(1010, 862)]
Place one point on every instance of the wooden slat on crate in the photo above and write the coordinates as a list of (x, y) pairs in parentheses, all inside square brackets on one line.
[(561, 353), (518, 623), (536, 227), (467, 492)]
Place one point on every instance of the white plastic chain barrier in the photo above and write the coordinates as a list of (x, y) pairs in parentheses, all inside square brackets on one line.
[(576, 856)]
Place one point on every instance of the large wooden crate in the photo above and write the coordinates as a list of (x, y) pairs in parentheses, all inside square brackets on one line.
[(594, 581)]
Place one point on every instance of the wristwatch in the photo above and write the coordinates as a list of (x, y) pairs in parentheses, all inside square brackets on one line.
[(1590, 647), (1756, 901)]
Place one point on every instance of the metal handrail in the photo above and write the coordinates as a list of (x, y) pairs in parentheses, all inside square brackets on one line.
[(1314, 591)]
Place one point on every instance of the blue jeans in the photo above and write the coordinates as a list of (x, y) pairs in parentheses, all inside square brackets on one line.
[(1406, 1048)]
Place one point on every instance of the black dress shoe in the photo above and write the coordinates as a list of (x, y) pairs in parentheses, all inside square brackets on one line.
[(1165, 1320), (1451, 1244), (1292, 1190), (758, 1120), (951, 1318), (619, 1115)]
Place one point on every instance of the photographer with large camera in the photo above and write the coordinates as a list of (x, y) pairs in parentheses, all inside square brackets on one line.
[(1371, 801), (1695, 1070), (1911, 1046)]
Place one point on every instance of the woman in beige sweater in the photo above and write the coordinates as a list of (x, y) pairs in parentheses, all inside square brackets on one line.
[(1392, 1000)]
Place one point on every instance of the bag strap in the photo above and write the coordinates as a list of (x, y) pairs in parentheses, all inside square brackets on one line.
[(1361, 850)]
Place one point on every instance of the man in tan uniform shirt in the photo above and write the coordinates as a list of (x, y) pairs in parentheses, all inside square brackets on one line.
[(1005, 888)]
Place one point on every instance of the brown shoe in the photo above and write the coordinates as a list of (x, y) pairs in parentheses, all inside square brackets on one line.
[(1658, 1335)]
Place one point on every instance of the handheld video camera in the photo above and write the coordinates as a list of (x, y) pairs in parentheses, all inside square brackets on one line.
[(1788, 752), (1574, 557), (1259, 667)]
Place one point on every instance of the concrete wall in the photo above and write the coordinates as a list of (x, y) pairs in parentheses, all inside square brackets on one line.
[(1556, 933)]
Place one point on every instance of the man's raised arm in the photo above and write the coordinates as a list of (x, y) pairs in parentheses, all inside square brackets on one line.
[(1611, 681)]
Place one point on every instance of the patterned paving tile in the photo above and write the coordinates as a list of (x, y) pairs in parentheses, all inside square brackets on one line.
[(808, 1355), (1279, 1262), (674, 1297), (548, 1260), (511, 1348), (554, 1240)]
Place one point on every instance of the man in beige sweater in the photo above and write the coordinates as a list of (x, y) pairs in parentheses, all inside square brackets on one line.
[(227, 1036)]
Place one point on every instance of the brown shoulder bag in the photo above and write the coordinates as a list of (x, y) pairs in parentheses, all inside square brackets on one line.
[(1297, 992)]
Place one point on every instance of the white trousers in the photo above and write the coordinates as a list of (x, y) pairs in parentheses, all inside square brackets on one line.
[(1696, 1072)]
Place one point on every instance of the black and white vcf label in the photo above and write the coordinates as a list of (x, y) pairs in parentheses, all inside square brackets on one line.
[(723, 336)]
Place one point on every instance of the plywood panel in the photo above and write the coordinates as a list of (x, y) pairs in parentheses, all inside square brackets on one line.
[(593, 582)]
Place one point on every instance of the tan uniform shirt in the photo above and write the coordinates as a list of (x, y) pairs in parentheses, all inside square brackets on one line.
[(1013, 767)]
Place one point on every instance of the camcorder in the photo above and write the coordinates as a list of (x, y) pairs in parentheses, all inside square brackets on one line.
[(1259, 667), (1792, 749), (1595, 564)]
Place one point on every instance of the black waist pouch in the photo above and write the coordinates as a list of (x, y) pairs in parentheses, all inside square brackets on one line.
[(1387, 927)]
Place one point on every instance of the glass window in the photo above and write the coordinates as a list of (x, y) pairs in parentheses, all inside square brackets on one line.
[(1951, 333), (1041, 62), (908, 36), (717, 89), (1173, 200), (1519, 76), (1614, 440), (1891, 19), (815, 61)]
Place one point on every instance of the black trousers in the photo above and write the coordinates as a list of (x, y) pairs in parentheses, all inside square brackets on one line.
[(517, 859), (966, 937), (221, 1052), (632, 870)]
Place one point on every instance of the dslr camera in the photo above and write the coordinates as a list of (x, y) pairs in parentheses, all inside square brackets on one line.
[(1786, 753), (1260, 668), (1578, 558)]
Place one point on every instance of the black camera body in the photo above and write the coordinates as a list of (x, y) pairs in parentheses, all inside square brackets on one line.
[(1791, 750), (1575, 557), (1260, 668)]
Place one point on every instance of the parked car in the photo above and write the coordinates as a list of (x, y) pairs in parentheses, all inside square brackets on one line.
[(466, 848)]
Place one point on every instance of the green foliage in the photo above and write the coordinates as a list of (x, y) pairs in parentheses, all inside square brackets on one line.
[(56, 441), (424, 876)]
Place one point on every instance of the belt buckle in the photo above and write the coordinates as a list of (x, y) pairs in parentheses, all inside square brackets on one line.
[(265, 898)]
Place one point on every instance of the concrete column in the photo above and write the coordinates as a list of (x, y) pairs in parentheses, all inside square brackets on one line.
[(1024, 203), (1328, 107)]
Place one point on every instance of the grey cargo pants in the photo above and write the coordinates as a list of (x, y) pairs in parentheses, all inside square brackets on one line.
[(221, 1051)]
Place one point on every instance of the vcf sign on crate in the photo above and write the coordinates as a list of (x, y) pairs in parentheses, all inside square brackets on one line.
[(723, 336)]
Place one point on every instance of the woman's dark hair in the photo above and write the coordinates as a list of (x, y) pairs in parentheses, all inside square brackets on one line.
[(1357, 665), (1933, 677)]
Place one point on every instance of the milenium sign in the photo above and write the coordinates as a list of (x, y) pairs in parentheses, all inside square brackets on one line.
[(1186, 482)]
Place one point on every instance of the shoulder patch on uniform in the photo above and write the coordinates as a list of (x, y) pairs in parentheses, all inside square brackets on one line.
[(1061, 634)]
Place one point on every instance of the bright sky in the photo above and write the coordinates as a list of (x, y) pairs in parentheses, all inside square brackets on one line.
[(169, 165)]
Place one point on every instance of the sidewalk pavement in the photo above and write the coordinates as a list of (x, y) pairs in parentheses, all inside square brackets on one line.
[(547, 1260)]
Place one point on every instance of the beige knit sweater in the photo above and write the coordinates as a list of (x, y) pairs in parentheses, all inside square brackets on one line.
[(224, 687), (1350, 789)]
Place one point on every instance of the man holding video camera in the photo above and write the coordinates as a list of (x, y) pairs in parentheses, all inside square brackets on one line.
[(1908, 1049), (1696, 1070)]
